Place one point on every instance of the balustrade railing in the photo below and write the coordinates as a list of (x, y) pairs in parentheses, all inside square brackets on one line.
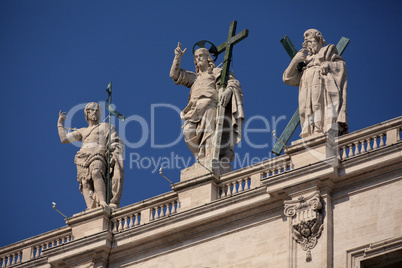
[(370, 139), (11, 259), (32, 248), (130, 217), (144, 212), (233, 187), (164, 210), (126, 222), (250, 177)]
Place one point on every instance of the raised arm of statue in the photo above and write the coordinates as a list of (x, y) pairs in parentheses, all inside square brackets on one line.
[(64, 137), (292, 76), (175, 69)]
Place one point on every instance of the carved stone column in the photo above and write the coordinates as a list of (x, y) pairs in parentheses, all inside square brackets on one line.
[(306, 221)]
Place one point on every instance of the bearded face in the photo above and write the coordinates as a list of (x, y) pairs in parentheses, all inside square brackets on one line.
[(92, 112), (312, 46)]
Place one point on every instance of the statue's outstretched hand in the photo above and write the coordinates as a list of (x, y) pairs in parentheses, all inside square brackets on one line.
[(179, 52), (62, 117)]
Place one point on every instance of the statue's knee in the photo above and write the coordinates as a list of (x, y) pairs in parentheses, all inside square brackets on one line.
[(96, 174)]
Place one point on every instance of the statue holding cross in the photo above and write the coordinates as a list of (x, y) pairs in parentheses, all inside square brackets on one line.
[(322, 81), (214, 114)]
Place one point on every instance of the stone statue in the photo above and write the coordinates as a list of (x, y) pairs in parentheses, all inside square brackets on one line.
[(201, 112), (91, 159), (321, 75)]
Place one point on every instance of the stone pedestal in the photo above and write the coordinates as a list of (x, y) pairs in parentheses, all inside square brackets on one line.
[(89, 222), (313, 149), (197, 186), (199, 169)]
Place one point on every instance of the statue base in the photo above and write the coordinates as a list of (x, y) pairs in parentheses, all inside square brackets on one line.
[(200, 169)]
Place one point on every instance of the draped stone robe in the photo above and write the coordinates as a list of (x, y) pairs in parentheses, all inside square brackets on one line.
[(322, 97), (201, 111)]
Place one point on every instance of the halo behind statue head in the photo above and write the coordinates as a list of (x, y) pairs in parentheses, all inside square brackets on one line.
[(211, 48)]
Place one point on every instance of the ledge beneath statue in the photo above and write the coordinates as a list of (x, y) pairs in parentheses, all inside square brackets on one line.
[(205, 168)]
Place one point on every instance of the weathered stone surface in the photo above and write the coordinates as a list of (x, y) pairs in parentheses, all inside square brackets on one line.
[(92, 158), (322, 83), (200, 115), (243, 219)]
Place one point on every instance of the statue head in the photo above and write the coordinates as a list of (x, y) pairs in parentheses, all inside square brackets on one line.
[(198, 60), (313, 41), (93, 111)]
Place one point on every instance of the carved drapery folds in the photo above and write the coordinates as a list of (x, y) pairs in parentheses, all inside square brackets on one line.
[(306, 217)]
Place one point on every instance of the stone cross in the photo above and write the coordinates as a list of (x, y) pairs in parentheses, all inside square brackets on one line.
[(295, 120), (226, 47)]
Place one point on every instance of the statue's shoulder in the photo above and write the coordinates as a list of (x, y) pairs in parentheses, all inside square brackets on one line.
[(217, 70)]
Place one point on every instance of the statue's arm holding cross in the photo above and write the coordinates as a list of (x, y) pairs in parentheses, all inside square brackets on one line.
[(296, 65)]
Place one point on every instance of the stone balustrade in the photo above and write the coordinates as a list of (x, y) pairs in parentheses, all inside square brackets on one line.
[(144, 212), (250, 177), (235, 186), (11, 259), (369, 139), (234, 183), (163, 210), (32, 248)]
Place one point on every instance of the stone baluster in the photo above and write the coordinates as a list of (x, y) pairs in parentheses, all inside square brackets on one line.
[(6, 259), (19, 256), (137, 217), (375, 144), (124, 225), (234, 188), (228, 189), (119, 224), (369, 147), (356, 151), (363, 148), (248, 180), (382, 136), (131, 221), (155, 213), (350, 146), (116, 225), (11, 259), (343, 152), (3, 261), (36, 252), (240, 183)]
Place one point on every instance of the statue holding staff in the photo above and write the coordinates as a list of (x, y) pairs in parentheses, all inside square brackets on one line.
[(91, 159)]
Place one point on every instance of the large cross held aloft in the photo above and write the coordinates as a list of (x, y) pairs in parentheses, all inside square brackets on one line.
[(226, 47), (295, 120)]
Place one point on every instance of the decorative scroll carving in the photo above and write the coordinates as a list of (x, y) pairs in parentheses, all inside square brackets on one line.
[(306, 221)]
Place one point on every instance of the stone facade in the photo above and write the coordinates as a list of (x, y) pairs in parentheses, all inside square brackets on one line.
[(324, 203)]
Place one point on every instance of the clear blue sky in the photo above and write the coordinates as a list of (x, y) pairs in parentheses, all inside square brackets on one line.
[(60, 54)]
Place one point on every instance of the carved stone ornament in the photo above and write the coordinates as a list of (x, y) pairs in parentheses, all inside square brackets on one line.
[(306, 221)]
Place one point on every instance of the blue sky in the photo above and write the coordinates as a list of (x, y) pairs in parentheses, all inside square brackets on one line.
[(62, 54)]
